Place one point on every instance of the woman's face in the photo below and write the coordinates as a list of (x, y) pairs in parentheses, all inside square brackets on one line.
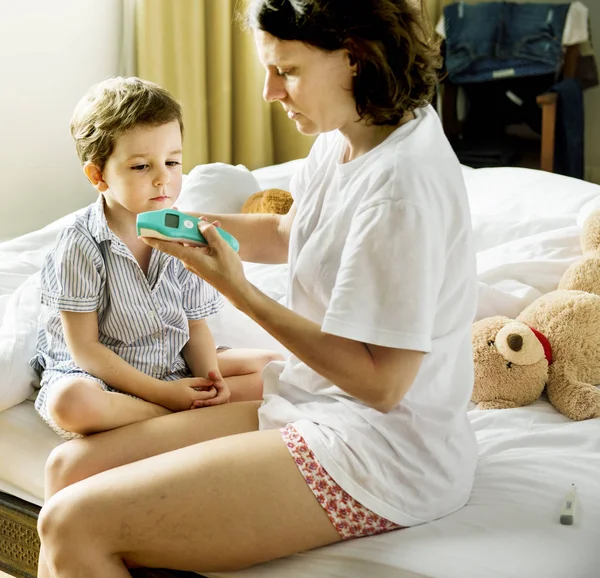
[(313, 86)]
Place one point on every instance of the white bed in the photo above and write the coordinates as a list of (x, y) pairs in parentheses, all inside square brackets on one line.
[(526, 227)]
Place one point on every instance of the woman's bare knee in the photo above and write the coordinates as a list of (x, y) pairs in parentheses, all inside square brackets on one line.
[(66, 465), (56, 527), (71, 406), (48, 521)]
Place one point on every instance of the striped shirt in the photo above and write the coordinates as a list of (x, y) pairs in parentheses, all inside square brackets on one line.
[(143, 319)]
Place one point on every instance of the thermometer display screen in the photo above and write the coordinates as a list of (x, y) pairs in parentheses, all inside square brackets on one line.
[(172, 220)]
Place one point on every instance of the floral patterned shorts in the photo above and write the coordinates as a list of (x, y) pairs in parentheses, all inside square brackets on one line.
[(350, 519)]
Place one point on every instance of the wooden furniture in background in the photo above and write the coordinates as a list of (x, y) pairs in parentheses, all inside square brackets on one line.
[(547, 102)]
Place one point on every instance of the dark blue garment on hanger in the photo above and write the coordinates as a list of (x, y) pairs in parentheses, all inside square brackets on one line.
[(569, 135), (496, 40)]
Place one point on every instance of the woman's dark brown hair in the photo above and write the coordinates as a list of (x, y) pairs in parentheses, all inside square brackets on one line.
[(390, 41)]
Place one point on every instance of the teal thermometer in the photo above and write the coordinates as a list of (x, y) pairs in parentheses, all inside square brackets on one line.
[(173, 225)]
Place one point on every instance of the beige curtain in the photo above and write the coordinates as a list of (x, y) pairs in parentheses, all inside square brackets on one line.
[(434, 10), (194, 49)]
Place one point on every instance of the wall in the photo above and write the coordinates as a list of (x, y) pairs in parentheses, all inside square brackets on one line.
[(51, 51), (592, 104)]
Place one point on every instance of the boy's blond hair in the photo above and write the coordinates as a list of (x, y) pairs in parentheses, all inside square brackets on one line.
[(115, 106)]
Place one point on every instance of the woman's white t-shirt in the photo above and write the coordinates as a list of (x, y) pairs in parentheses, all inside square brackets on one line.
[(381, 252)]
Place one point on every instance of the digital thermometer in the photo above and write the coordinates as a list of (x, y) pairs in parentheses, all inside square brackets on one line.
[(567, 515), (173, 225)]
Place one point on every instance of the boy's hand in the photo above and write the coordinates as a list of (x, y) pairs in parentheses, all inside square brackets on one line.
[(182, 394), (223, 393)]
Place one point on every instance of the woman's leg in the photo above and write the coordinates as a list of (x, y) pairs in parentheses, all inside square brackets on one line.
[(82, 458), (242, 370), (220, 505)]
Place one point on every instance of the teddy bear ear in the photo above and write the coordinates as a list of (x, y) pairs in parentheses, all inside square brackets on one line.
[(590, 234), (517, 343)]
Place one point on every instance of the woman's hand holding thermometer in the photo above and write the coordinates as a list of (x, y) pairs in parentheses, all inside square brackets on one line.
[(173, 225)]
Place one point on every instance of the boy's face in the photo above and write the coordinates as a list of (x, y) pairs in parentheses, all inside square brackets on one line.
[(143, 173)]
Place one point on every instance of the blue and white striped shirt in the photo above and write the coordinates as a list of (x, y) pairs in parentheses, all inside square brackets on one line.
[(143, 319)]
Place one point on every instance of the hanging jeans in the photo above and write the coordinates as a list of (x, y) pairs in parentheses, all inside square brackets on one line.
[(497, 40)]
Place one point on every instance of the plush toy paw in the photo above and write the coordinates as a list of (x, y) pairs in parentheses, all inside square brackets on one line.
[(497, 404), (574, 399)]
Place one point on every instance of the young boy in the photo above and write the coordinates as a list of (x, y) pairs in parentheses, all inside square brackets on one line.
[(122, 333)]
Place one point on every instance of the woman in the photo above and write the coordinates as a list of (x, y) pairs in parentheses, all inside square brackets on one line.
[(364, 428)]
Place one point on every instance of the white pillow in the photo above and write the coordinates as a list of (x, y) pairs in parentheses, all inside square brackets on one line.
[(277, 176), (217, 188), (18, 338), (587, 209), (526, 226)]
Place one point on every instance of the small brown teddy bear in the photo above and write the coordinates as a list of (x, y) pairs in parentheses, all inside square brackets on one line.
[(269, 201), (554, 343)]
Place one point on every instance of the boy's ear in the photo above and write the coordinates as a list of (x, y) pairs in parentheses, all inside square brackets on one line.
[(94, 174)]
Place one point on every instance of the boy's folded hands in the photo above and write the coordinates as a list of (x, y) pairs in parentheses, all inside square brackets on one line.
[(180, 394)]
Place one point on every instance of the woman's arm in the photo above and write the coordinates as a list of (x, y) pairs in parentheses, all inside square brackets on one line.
[(263, 238), (378, 376)]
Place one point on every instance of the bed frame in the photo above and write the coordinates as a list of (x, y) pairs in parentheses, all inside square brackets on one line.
[(20, 544)]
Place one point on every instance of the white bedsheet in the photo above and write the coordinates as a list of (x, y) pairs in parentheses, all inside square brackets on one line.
[(526, 227), (528, 457)]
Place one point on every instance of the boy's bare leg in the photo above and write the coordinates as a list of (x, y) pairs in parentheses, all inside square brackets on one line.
[(81, 406), (247, 387), (242, 370)]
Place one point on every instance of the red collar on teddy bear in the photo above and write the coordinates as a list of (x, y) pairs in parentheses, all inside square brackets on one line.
[(545, 344)]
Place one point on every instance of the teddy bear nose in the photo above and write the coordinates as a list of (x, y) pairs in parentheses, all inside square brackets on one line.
[(515, 341)]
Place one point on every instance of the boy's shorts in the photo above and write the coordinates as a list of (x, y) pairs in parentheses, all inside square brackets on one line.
[(51, 377)]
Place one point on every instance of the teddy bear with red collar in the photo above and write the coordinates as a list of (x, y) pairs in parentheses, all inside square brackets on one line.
[(554, 343)]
